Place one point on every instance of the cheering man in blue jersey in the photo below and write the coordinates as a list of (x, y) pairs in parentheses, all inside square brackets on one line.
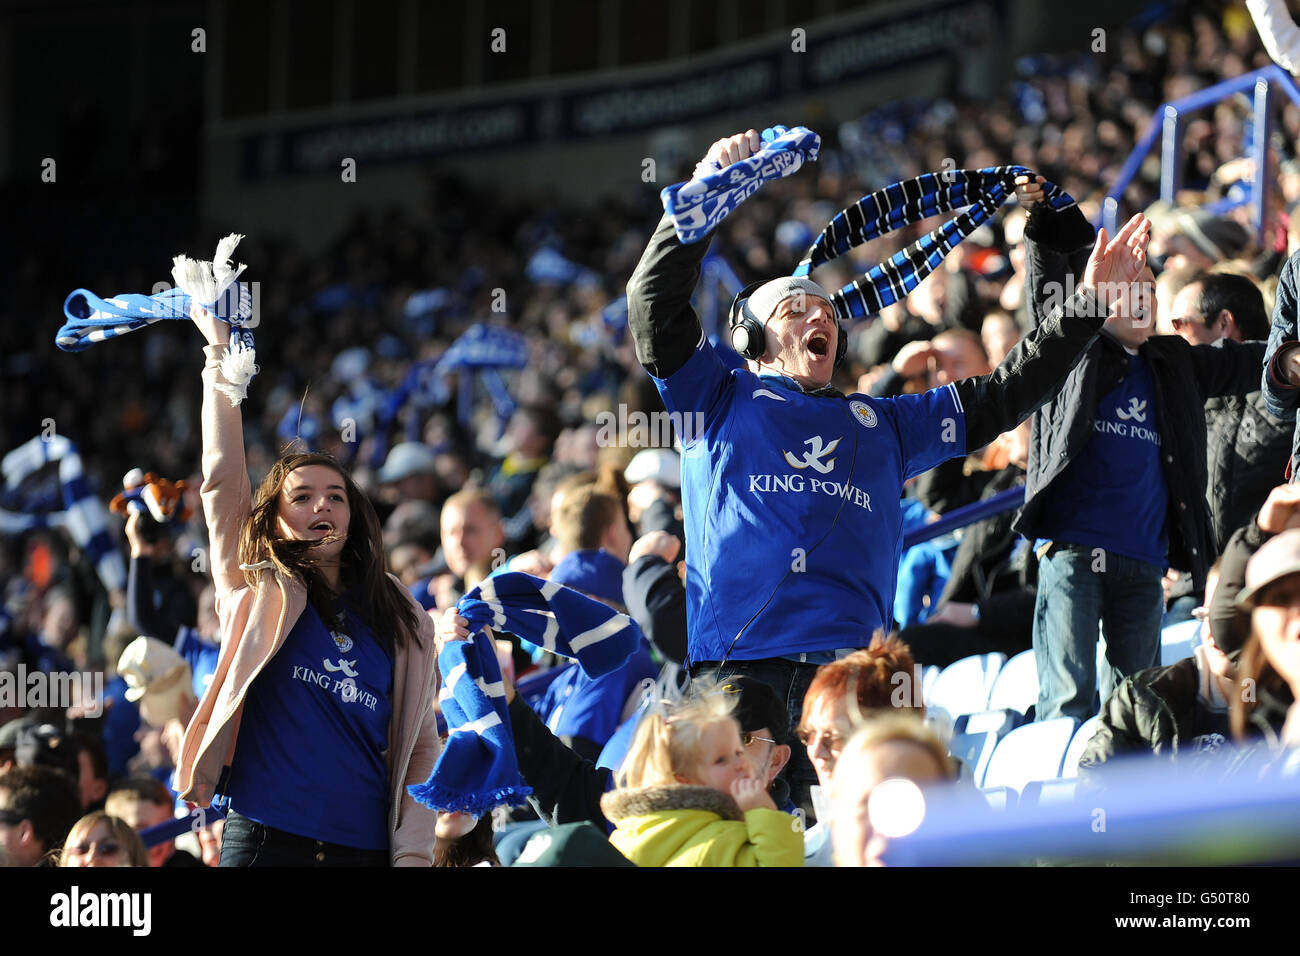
[(791, 490)]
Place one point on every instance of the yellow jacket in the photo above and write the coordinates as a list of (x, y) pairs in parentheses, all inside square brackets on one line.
[(679, 825)]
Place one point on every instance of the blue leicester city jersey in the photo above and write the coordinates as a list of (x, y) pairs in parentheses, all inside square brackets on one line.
[(312, 752), (793, 520), (1113, 495)]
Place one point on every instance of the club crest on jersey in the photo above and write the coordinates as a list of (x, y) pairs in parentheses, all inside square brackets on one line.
[(814, 458), (341, 641), (863, 412)]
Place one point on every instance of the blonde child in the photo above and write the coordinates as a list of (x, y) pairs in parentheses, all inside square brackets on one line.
[(689, 796)]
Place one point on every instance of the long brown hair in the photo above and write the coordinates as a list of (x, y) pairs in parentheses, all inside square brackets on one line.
[(382, 604), (473, 848), (1253, 673)]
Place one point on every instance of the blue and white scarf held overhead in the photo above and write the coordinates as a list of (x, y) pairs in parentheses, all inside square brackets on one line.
[(83, 515), (92, 319), (698, 205), (478, 769)]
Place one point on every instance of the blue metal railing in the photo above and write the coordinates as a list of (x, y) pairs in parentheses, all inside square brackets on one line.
[(1168, 127), (170, 829), (1150, 813), (1008, 500)]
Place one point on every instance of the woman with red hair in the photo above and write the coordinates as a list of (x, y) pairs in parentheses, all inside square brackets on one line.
[(843, 695)]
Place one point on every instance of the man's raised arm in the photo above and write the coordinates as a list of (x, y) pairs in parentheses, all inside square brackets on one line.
[(664, 327), (1034, 370)]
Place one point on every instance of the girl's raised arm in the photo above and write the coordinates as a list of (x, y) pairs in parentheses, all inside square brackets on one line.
[(226, 493)]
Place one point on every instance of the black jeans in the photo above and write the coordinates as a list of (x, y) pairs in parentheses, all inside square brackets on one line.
[(245, 842), (790, 680)]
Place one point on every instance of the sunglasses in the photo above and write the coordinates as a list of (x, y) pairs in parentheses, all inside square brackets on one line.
[(833, 739), (746, 738)]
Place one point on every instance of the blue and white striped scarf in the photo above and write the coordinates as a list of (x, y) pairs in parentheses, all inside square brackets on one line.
[(92, 319), (698, 205), (83, 516), (478, 769), (901, 204)]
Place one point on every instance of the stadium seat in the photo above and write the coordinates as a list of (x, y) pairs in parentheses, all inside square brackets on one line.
[(1070, 767), (928, 677), (1046, 793), (1178, 641), (974, 751), (1000, 798), (999, 722), (1032, 752), (964, 686), (1017, 684)]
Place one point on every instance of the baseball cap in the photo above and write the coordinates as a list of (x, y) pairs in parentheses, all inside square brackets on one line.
[(407, 458), (655, 464), (596, 572), (46, 745), (156, 677), (758, 706), (1279, 557), (1217, 237)]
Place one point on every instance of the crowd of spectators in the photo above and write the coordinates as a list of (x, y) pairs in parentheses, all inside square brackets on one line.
[(466, 489)]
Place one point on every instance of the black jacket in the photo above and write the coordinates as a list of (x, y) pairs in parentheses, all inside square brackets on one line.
[(656, 600), (1248, 453), (666, 332), (987, 565), (1056, 249), (1280, 396), (1156, 711), (566, 786), (1229, 625)]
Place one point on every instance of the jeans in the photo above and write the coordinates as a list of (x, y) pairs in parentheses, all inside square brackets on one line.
[(246, 842), (790, 680), (1078, 587)]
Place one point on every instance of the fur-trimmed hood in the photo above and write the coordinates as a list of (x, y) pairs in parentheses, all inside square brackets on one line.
[(681, 825), (642, 801)]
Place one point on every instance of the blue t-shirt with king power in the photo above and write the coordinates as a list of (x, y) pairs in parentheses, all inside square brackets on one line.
[(1113, 494), (311, 756), (792, 506)]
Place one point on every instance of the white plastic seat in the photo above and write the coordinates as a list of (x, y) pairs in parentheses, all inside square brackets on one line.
[(1016, 686), (1178, 641), (1046, 793), (1000, 798), (1078, 744), (999, 722), (928, 677), (974, 751), (964, 686), (1032, 752)]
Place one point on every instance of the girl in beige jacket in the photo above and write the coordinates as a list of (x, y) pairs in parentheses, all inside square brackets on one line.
[(320, 712)]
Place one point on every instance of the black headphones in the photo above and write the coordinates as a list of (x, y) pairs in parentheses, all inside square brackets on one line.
[(748, 337)]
